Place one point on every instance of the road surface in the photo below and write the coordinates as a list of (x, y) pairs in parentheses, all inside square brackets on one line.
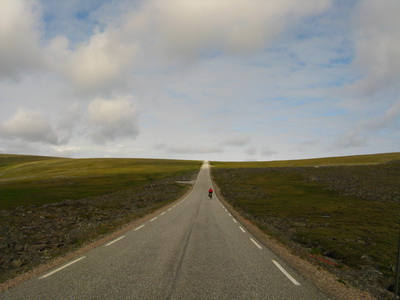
[(193, 250)]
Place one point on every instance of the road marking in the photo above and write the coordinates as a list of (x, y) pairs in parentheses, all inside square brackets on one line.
[(153, 219), (169, 209), (255, 243), (242, 229), (234, 220), (63, 267), (116, 240), (295, 282), (139, 227), (163, 213), (229, 214)]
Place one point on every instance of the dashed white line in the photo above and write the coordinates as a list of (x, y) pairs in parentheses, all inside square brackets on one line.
[(255, 243), (242, 229), (229, 214), (163, 213), (63, 267), (139, 227), (116, 240), (295, 282), (153, 219), (234, 220)]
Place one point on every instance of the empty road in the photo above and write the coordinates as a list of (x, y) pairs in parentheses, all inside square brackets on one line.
[(193, 250)]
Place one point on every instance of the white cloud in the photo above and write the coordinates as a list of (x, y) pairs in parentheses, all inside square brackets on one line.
[(236, 140), (251, 151), (190, 28), (294, 76), (112, 119), (189, 148), (64, 151), (103, 61), (377, 46), (29, 125), (359, 135), (266, 151), (19, 38)]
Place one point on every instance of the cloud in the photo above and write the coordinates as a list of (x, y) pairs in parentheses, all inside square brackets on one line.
[(251, 151), (265, 151), (103, 61), (183, 30), (350, 140), (358, 136), (19, 35), (65, 151), (190, 28), (189, 149), (29, 125), (112, 119), (236, 141), (377, 47)]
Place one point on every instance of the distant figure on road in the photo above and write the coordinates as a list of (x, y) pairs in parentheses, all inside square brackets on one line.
[(210, 192)]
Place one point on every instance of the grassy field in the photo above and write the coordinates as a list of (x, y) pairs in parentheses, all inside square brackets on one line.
[(326, 161), (32, 180), (344, 209)]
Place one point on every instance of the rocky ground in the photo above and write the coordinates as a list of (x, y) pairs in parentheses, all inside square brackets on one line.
[(33, 235)]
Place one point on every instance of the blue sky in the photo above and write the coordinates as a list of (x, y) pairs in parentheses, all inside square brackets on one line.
[(188, 79)]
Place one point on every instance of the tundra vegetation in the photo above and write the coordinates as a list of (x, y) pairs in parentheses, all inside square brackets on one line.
[(340, 212), (50, 206)]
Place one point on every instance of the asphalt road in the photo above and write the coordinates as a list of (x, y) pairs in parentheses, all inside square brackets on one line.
[(194, 250)]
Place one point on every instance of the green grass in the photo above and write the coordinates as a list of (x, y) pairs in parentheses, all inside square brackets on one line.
[(30, 180), (344, 215), (326, 161)]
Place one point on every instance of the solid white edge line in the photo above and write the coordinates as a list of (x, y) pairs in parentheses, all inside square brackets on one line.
[(116, 240), (295, 282), (255, 243), (63, 267), (242, 229), (139, 227)]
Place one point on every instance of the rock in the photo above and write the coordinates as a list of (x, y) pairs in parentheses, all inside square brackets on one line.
[(16, 263), (364, 257), (392, 268), (38, 247)]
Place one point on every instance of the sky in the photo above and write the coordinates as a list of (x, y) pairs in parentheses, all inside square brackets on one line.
[(228, 80)]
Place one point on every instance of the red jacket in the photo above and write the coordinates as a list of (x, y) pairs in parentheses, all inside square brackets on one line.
[(210, 190)]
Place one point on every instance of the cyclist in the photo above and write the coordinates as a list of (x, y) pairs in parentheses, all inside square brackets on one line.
[(210, 192)]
